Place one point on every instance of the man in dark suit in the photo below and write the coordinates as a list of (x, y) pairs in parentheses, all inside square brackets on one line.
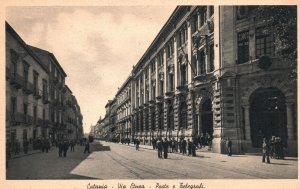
[(229, 146), (165, 147)]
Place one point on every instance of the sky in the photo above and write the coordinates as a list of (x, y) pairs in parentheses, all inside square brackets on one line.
[(96, 46)]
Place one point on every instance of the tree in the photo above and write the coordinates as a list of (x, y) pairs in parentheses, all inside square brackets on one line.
[(282, 21)]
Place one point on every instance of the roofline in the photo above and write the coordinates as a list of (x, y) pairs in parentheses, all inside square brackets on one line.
[(53, 57), (157, 37), (68, 88), (9, 29), (123, 85)]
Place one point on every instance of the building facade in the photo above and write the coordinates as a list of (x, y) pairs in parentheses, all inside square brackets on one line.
[(35, 83), (123, 103), (27, 107), (189, 83)]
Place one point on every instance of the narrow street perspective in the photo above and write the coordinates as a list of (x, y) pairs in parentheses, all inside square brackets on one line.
[(151, 92)]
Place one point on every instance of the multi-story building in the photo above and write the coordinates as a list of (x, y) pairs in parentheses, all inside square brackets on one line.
[(56, 88), (123, 103), (35, 84), (189, 83), (27, 81)]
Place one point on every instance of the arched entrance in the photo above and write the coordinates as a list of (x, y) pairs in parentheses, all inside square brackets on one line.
[(207, 117), (267, 115)]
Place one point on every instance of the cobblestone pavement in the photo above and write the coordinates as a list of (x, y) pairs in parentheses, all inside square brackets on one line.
[(117, 161)]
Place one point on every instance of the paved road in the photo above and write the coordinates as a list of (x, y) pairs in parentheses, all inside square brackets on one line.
[(116, 161), (124, 162)]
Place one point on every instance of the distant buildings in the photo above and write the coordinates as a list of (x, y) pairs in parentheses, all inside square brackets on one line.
[(190, 84), (38, 103)]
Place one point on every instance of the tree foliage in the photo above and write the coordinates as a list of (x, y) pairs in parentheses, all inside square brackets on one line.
[(282, 22)]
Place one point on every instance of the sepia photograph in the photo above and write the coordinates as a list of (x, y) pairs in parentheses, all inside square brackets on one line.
[(161, 92)]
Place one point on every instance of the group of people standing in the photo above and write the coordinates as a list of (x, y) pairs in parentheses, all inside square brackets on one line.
[(63, 146), (273, 148), (170, 146)]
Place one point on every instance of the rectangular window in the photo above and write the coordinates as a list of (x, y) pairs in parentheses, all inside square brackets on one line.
[(243, 47), (35, 81), (26, 68), (264, 42), (44, 88), (202, 63), (13, 105), (34, 114), (203, 16), (25, 108), (44, 115), (211, 57), (211, 11), (195, 23)]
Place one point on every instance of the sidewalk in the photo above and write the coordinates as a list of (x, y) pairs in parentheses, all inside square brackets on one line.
[(247, 163)]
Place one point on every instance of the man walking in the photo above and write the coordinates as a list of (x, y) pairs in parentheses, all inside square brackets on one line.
[(229, 146), (60, 148), (165, 146), (189, 147), (87, 147), (159, 147), (184, 146), (266, 151)]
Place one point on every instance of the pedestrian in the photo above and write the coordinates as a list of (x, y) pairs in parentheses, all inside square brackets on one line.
[(229, 146), (87, 147), (180, 145), (65, 147), (47, 143), (159, 148), (153, 143), (165, 148), (189, 147), (25, 146), (72, 144), (60, 148), (173, 145), (194, 145), (184, 146), (128, 141), (137, 144), (266, 151)]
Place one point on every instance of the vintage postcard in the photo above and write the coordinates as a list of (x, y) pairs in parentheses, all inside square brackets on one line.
[(181, 95)]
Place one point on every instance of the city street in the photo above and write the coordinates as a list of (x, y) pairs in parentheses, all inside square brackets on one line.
[(117, 161)]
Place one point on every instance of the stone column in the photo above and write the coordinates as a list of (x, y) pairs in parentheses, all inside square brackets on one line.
[(150, 82), (165, 70), (156, 78), (289, 120), (247, 122), (189, 52), (175, 63)]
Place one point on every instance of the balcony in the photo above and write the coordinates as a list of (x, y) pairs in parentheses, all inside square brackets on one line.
[(16, 80), (37, 94), (27, 119), (54, 79), (45, 98), (28, 88), (16, 118)]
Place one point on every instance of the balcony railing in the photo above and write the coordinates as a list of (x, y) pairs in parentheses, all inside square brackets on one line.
[(37, 94), (16, 80), (55, 79), (27, 119), (45, 98), (16, 118), (28, 88)]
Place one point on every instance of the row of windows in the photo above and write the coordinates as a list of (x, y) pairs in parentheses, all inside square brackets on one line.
[(264, 44)]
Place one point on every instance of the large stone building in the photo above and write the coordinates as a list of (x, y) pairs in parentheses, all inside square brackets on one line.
[(35, 85), (189, 83)]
